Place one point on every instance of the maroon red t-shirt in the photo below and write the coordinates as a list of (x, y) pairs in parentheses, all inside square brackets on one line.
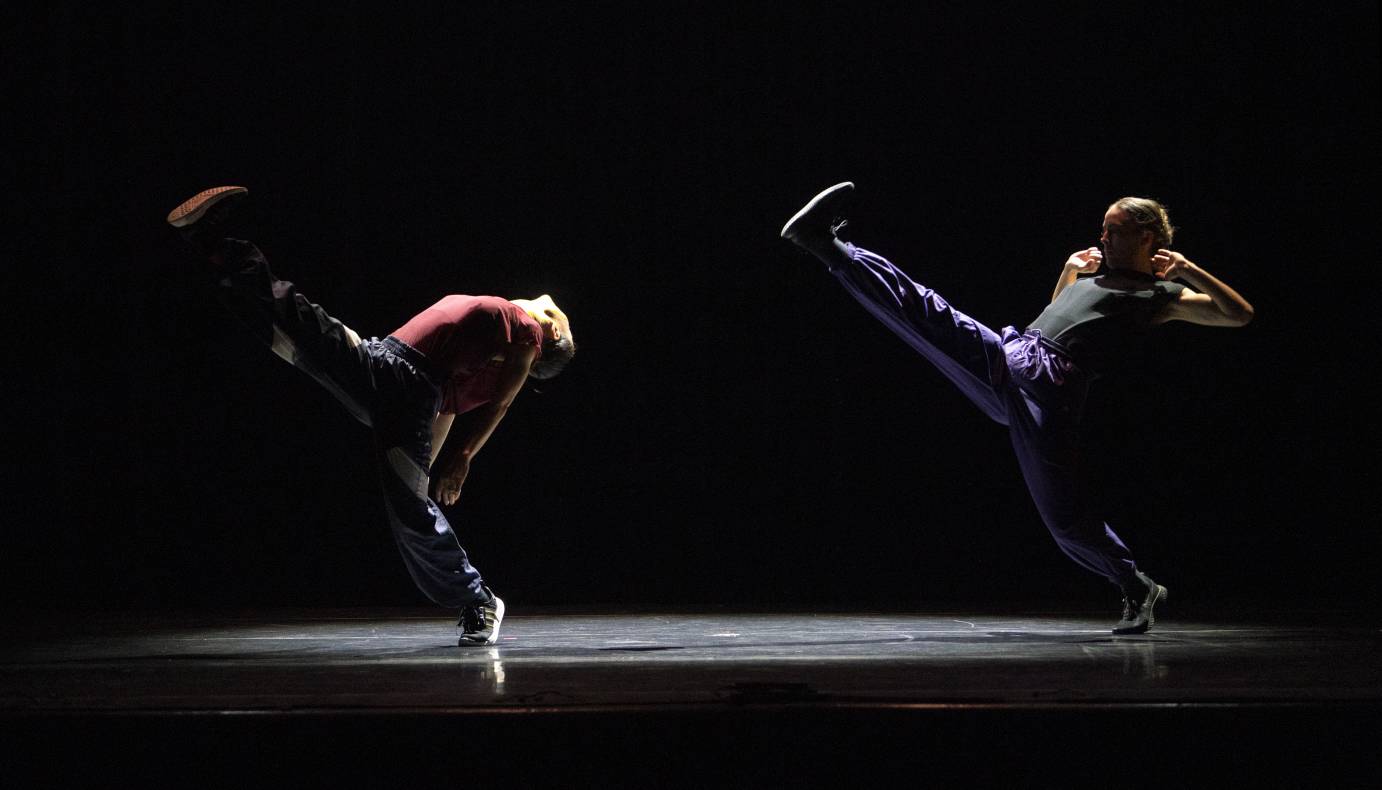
[(459, 335)]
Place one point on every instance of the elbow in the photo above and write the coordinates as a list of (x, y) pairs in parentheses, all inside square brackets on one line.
[(1243, 316)]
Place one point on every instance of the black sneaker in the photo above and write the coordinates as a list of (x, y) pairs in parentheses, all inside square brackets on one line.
[(480, 622), (813, 227), (1137, 606), (201, 218)]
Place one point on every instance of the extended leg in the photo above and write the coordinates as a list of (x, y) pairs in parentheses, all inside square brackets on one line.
[(297, 330), (964, 350)]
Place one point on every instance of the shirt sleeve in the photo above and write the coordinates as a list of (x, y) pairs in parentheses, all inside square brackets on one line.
[(483, 329), (1170, 291), (478, 336), (521, 328)]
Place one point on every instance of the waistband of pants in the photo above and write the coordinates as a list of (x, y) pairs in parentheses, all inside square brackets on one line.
[(1051, 345), (413, 357)]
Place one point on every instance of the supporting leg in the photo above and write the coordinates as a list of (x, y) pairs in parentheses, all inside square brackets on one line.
[(438, 565), (403, 434), (1049, 456)]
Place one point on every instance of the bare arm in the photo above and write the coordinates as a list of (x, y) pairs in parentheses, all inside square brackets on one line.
[(441, 426), (1216, 304), (447, 482), (1082, 262)]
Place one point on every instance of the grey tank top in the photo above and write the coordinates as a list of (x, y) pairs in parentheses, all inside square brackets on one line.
[(1098, 317)]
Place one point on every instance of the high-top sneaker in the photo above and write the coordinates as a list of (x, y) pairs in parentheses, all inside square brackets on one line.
[(480, 622), (201, 219), (1138, 604), (813, 228)]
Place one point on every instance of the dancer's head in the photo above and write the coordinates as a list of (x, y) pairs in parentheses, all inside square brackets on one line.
[(1134, 229), (558, 344)]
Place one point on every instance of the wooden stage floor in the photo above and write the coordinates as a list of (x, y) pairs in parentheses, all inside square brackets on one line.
[(994, 691)]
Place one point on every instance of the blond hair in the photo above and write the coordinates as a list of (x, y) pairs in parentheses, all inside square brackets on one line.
[(1150, 215)]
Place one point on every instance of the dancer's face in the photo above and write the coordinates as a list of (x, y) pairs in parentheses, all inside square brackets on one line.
[(545, 312), (1124, 243)]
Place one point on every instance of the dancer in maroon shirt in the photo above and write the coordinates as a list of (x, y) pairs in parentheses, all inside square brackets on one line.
[(464, 354)]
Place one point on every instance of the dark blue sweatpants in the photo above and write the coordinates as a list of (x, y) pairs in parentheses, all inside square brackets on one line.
[(1020, 380), (386, 385)]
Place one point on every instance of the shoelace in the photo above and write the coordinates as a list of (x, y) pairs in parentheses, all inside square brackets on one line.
[(1130, 609), (473, 618)]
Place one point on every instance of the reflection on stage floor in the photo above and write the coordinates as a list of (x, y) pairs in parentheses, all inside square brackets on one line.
[(408, 661)]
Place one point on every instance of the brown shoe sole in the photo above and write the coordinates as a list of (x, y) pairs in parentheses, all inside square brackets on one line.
[(195, 207)]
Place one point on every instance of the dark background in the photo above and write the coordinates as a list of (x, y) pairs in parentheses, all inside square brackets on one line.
[(735, 430)]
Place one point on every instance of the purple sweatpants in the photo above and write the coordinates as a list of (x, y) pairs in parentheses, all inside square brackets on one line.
[(1021, 380)]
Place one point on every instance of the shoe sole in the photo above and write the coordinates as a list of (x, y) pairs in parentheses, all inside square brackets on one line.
[(810, 206), (498, 620), (195, 207), (1161, 595), (494, 632)]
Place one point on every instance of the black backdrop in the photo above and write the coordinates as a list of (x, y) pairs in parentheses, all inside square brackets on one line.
[(735, 430)]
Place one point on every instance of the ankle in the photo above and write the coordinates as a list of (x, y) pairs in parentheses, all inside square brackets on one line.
[(830, 250)]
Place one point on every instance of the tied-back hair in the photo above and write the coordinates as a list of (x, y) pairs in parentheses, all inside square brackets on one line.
[(555, 356), (1150, 215)]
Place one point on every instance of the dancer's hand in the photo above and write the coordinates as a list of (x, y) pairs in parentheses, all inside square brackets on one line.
[(1085, 261), (1170, 265), (447, 485)]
